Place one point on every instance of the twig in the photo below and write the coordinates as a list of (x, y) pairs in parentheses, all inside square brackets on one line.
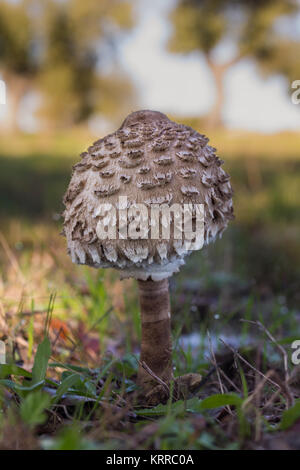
[(229, 380), (57, 337), (150, 372), (214, 361), (236, 353), (281, 349), (284, 355), (31, 313), (259, 387), (271, 399)]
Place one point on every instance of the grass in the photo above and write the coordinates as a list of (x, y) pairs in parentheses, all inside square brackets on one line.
[(72, 333)]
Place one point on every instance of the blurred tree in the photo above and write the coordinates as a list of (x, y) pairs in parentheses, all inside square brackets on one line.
[(78, 37), (60, 47), (251, 27), (18, 64)]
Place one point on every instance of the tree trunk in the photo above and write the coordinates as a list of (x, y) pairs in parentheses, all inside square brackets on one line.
[(214, 119), (16, 88), (218, 71), (156, 348)]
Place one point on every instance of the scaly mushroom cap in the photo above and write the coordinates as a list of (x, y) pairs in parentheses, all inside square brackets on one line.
[(150, 160)]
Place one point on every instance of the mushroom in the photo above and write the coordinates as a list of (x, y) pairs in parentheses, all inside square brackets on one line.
[(148, 163)]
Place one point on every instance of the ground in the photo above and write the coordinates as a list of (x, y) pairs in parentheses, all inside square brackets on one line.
[(72, 333)]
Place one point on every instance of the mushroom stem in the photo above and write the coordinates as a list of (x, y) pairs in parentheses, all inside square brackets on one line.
[(156, 348)]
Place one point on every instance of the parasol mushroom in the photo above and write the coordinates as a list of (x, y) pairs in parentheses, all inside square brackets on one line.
[(148, 163)]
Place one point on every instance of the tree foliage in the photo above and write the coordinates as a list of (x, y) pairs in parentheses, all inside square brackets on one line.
[(16, 34), (75, 32), (58, 46), (251, 26)]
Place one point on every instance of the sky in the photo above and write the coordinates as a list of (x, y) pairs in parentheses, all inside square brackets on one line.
[(182, 84)]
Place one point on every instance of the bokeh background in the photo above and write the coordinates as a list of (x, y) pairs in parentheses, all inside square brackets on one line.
[(73, 70)]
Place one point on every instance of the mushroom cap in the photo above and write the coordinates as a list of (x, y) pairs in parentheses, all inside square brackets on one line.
[(150, 160)]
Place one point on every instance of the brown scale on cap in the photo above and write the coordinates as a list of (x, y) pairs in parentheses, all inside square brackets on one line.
[(150, 158)]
